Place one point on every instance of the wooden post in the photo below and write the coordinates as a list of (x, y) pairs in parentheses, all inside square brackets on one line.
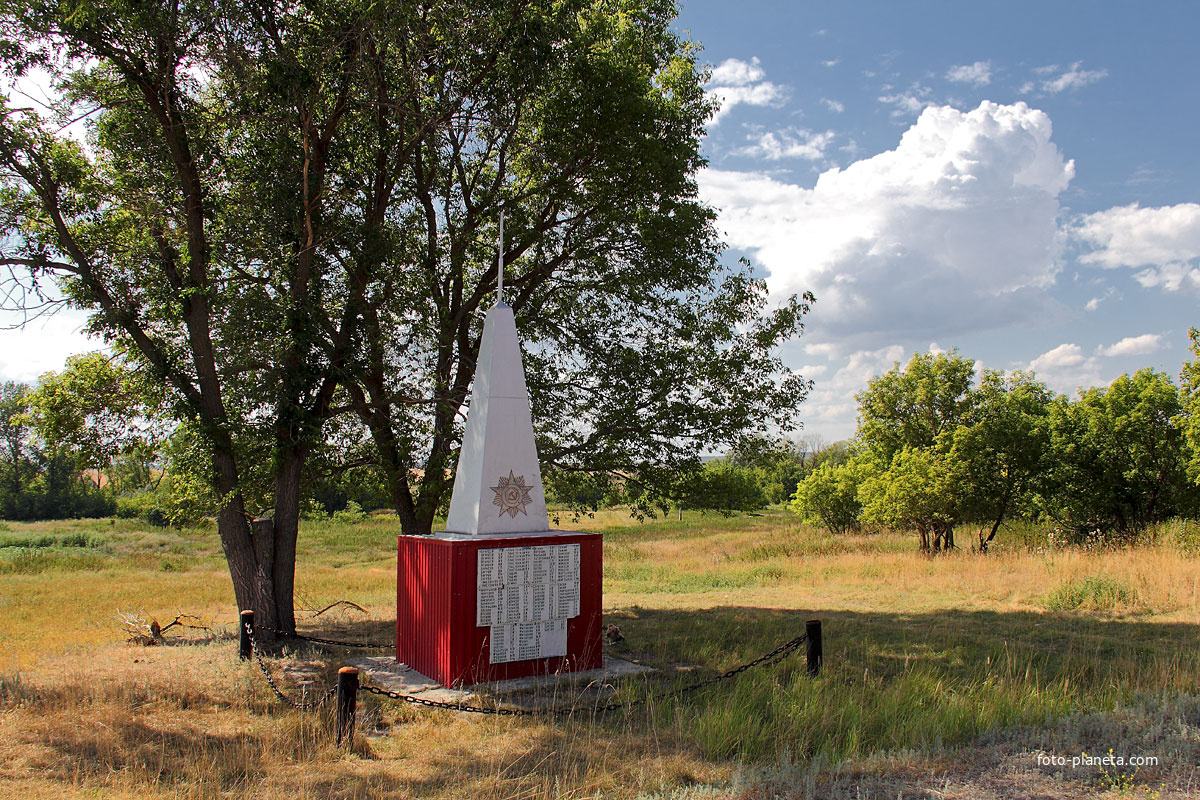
[(812, 630), (246, 639), (347, 697)]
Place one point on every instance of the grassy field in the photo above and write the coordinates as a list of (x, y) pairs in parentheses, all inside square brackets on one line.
[(944, 677)]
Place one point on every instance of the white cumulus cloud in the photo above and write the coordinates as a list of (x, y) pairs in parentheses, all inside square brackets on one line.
[(953, 230), (833, 105), (735, 72), (1066, 369), (831, 408), (1065, 355), (977, 74), (1163, 241), (791, 143), (1131, 236), (735, 82), (909, 102), (1073, 78), (1134, 346), (43, 345)]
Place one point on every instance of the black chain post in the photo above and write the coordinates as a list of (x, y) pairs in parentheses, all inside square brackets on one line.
[(347, 697), (812, 636), (246, 641)]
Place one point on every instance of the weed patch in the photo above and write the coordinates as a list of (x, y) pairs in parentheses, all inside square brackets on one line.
[(1093, 593)]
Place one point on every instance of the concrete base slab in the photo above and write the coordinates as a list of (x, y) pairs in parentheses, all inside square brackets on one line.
[(386, 672)]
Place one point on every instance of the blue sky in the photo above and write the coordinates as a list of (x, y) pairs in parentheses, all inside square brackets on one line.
[(1016, 180)]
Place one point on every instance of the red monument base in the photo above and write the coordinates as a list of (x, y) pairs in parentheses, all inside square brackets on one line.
[(472, 609)]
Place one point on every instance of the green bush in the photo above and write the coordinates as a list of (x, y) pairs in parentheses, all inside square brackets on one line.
[(153, 508), (1094, 593), (313, 510), (75, 540), (829, 496), (351, 514)]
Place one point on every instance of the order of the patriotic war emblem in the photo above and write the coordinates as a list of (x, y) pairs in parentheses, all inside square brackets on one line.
[(512, 495)]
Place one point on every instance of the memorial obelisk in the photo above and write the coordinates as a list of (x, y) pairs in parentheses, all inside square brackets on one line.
[(498, 594), (498, 485)]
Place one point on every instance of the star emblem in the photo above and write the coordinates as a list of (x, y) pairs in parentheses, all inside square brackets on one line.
[(512, 495)]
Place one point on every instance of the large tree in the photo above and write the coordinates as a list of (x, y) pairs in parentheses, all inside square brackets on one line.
[(1001, 449), (914, 405), (99, 410), (285, 214), (1189, 399), (1119, 458)]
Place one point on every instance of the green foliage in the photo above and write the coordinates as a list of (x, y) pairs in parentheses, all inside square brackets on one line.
[(583, 490), (1119, 459), (915, 492), (779, 462), (39, 480), (915, 405), (351, 514), (829, 496), (332, 485), (285, 221), (720, 486), (98, 409), (1001, 449), (77, 539), (1189, 400), (313, 510)]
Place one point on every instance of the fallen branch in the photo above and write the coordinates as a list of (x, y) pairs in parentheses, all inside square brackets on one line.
[(150, 633), (340, 603)]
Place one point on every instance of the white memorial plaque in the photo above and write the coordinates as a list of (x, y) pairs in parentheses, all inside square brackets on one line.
[(525, 595), (489, 603)]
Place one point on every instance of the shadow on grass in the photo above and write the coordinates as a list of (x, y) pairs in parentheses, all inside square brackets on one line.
[(894, 681), (891, 682)]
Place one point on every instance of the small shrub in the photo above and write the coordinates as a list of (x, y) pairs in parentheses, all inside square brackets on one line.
[(154, 508), (1094, 593), (351, 514)]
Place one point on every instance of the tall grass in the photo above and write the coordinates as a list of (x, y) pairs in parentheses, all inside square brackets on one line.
[(921, 654)]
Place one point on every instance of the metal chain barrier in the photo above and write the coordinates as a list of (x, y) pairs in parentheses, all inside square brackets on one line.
[(299, 705), (320, 640), (771, 657), (774, 656)]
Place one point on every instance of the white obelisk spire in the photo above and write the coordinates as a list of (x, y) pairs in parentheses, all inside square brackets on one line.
[(498, 486)]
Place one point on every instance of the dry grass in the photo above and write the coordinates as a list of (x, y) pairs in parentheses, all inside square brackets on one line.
[(942, 677)]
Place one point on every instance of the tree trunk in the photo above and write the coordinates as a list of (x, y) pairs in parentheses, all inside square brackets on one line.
[(251, 577), (985, 541), (287, 531), (250, 561)]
